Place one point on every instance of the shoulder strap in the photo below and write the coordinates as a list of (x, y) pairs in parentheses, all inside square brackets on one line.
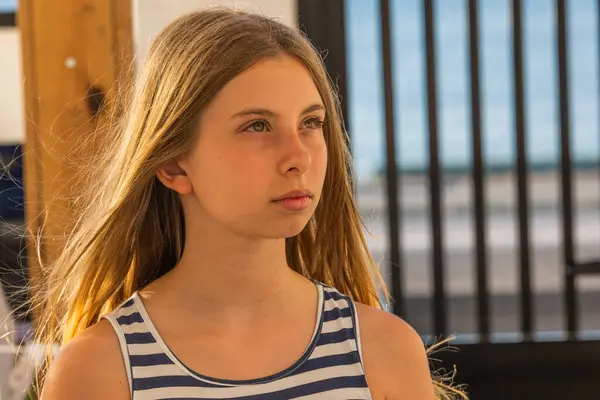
[(123, 345), (123, 319), (341, 310)]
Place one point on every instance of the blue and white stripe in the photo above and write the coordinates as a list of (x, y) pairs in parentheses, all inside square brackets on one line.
[(331, 367)]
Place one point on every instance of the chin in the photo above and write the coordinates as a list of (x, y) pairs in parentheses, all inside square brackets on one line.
[(291, 228)]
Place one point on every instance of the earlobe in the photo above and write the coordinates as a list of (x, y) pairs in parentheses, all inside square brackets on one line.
[(175, 178)]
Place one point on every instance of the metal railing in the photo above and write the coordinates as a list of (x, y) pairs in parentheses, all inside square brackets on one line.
[(325, 37), (572, 268)]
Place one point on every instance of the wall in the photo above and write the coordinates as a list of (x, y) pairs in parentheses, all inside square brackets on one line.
[(12, 123), (150, 16)]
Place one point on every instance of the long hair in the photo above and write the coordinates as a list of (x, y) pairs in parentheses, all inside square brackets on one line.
[(129, 228)]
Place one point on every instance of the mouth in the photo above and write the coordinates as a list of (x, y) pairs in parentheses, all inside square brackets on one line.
[(294, 201), (295, 194)]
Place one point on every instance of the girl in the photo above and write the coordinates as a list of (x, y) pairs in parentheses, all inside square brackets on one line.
[(221, 255)]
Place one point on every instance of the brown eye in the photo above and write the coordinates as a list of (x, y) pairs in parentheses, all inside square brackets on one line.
[(313, 123), (257, 126)]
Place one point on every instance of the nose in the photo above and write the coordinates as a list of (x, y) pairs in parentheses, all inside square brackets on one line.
[(295, 155)]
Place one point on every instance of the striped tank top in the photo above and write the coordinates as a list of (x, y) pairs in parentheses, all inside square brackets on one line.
[(330, 368)]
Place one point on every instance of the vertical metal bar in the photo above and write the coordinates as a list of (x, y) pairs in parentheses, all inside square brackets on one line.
[(324, 24), (434, 174), (566, 172), (336, 14), (391, 165), (521, 160), (598, 77), (478, 175)]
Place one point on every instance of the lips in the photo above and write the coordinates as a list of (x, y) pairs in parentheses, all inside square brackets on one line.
[(294, 201), (295, 194)]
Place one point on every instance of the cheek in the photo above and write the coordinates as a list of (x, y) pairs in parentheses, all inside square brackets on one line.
[(228, 176), (248, 170), (320, 161)]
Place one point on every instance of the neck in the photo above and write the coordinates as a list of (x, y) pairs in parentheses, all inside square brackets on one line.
[(230, 283), (224, 270)]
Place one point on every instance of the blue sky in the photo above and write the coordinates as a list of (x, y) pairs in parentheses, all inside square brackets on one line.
[(366, 96), (8, 5)]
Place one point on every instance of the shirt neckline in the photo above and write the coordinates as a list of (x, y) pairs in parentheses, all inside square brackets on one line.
[(233, 382)]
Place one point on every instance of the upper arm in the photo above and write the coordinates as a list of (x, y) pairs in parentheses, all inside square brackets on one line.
[(89, 367), (394, 357)]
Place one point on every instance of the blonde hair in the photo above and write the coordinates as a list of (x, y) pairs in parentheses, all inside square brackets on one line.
[(130, 230)]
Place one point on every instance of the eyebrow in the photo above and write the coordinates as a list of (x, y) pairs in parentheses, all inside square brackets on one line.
[(269, 113)]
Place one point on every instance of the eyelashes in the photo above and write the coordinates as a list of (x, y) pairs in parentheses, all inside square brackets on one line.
[(260, 123), (264, 126), (317, 123)]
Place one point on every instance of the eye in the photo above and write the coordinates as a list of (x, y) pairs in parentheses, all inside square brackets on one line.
[(313, 123), (257, 126)]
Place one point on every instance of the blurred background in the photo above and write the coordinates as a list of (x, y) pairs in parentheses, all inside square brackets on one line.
[(474, 126)]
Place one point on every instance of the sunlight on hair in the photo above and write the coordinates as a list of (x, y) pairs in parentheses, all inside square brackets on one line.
[(444, 385), (128, 229)]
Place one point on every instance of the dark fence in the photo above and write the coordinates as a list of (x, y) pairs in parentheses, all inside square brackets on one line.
[(330, 36), (527, 369)]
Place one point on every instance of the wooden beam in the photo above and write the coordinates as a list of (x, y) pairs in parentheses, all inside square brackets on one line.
[(73, 52)]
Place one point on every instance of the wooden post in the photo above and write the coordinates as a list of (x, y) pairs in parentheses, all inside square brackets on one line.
[(73, 51)]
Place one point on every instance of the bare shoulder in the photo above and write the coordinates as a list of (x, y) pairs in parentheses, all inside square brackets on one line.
[(89, 367), (394, 356)]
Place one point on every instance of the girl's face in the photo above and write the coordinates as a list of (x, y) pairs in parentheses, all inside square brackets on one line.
[(259, 162)]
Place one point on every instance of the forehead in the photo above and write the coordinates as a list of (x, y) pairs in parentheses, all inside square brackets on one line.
[(282, 85)]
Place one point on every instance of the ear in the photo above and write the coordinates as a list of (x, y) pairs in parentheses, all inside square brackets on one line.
[(174, 177)]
